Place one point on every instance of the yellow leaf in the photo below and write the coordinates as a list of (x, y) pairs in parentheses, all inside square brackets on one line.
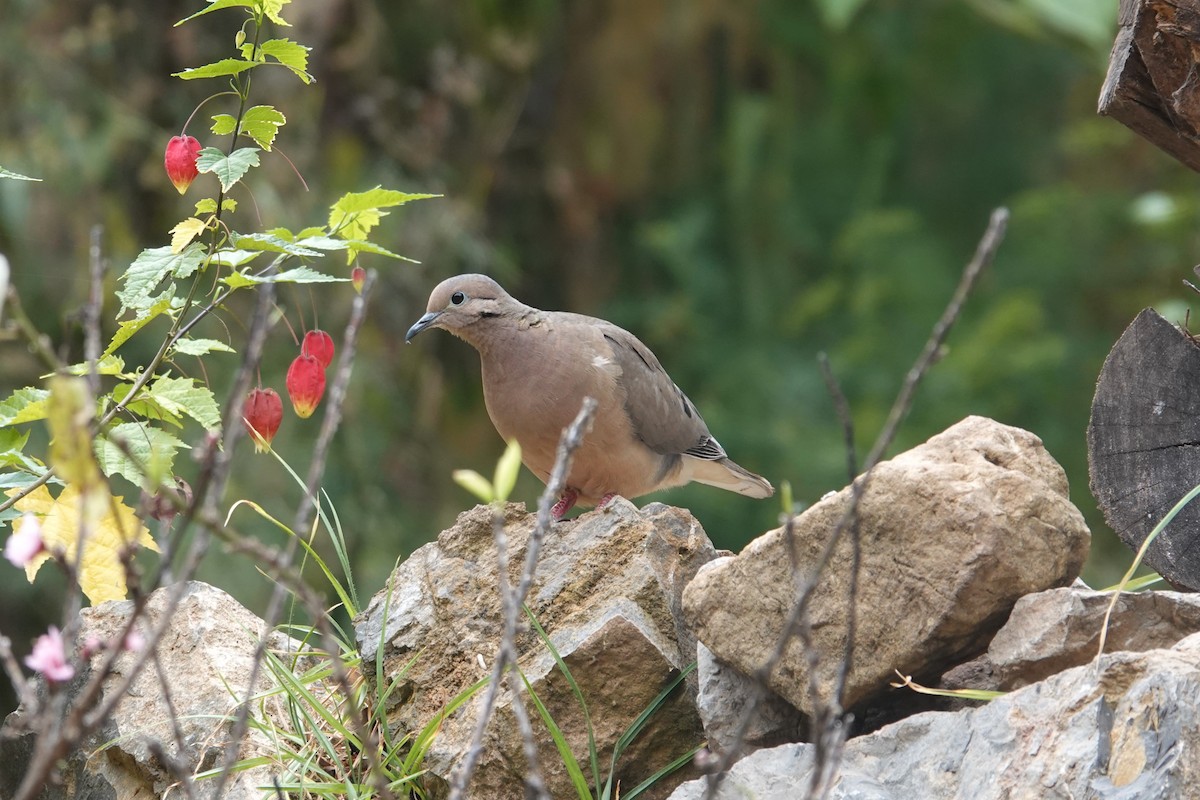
[(100, 571), (183, 233)]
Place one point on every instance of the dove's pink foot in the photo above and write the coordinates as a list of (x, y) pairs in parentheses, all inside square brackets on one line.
[(564, 504), (604, 500)]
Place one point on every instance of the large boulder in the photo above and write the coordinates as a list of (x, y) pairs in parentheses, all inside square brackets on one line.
[(952, 532), (607, 590), (206, 655), (1124, 728)]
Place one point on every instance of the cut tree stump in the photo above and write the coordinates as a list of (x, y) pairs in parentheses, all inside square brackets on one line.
[(1153, 83), (1144, 443)]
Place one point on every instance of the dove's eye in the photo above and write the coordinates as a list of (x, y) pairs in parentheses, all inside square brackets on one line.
[(457, 299)]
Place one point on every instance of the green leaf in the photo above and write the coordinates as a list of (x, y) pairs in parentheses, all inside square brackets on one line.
[(356, 213), (201, 347), (149, 447), (16, 176), (223, 124), (323, 243), (107, 365), (217, 69), (282, 233), (184, 397), (507, 469), (24, 405), (217, 5), (474, 483), (240, 280), (290, 54), (229, 169), (144, 406), (12, 456), (272, 9), (234, 258), (261, 123), (206, 206), (150, 268), (271, 244), (360, 246), (129, 327)]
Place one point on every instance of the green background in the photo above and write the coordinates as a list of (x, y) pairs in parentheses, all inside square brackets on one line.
[(743, 185)]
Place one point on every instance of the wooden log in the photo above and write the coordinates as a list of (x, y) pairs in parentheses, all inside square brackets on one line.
[(1144, 443), (1153, 82)]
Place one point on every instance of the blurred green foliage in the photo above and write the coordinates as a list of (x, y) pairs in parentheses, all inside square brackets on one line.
[(742, 185)]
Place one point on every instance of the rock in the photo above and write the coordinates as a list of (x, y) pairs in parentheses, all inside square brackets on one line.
[(1124, 729), (724, 696), (607, 590), (207, 653), (953, 532), (1051, 631)]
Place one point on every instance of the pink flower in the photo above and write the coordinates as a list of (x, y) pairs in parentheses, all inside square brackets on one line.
[(134, 641), (26, 541), (49, 657)]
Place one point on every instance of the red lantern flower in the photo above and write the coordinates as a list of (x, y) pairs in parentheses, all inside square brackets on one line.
[(319, 345), (180, 161), (305, 384), (262, 415), (358, 276)]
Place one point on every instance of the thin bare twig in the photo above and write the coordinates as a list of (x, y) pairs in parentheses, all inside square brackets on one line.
[(511, 600), (984, 254)]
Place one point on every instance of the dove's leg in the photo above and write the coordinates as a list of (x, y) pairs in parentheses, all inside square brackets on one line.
[(564, 504)]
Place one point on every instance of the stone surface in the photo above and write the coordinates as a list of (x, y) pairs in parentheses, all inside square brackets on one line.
[(607, 590), (206, 654), (724, 696), (1125, 729), (953, 532), (1051, 631)]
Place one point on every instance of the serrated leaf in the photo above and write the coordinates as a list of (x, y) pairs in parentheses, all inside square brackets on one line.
[(183, 396), (304, 234), (234, 258), (99, 565), (217, 5), (305, 275), (150, 268), (356, 213), (206, 206), (201, 347), (323, 243), (271, 244), (106, 365), (24, 405), (141, 447), (144, 406), (282, 233), (16, 176), (272, 9), (217, 69), (262, 123), (229, 169), (240, 280), (229, 204), (183, 233), (360, 246), (290, 54), (223, 124), (128, 328)]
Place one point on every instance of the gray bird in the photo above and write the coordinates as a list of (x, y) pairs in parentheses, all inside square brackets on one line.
[(537, 368)]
